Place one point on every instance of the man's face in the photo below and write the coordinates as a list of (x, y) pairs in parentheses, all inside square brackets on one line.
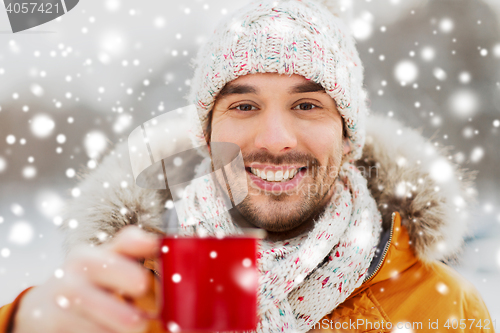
[(288, 129)]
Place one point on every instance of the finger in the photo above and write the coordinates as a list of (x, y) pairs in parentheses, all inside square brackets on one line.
[(110, 270), (136, 243), (109, 312)]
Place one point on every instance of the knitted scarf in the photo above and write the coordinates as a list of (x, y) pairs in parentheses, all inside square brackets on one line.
[(304, 278)]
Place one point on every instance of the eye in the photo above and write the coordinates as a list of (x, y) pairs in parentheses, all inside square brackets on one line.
[(244, 107), (305, 106)]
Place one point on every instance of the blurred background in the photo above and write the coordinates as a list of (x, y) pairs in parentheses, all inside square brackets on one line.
[(72, 88)]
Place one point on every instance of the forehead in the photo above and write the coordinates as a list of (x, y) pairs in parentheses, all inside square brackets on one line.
[(256, 83)]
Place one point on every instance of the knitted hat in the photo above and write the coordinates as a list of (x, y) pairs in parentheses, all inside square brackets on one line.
[(302, 37)]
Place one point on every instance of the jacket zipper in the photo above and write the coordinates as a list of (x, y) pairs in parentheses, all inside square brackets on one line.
[(156, 272), (386, 249)]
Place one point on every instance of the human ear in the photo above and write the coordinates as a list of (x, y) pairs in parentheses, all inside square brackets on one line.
[(208, 131), (347, 146)]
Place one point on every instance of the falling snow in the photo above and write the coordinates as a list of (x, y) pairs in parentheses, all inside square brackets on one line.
[(71, 98), (477, 154), (247, 262), (464, 77), (441, 171), (11, 139), (21, 233), (439, 74), (362, 27), (76, 192), (428, 53), (73, 224), (59, 273), (5, 252), (173, 327), (95, 143), (446, 25), (70, 173), (37, 90), (62, 301), (61, 138), (29, 172), (406, 72), (464, 103), (49, 203), (176, 278), (42, 126), (17, 209)]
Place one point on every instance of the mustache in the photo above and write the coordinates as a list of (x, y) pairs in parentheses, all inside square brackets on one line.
[(289, 158)]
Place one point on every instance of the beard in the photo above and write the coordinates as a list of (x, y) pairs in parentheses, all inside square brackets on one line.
[(287, 210)]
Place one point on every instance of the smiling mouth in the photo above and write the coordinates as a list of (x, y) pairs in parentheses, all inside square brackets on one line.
[(277, 176)]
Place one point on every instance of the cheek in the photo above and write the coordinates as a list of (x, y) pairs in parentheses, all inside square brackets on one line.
[(226, 130), (323, 140)]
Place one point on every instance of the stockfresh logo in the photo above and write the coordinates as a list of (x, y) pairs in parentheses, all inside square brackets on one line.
[(26, 14)]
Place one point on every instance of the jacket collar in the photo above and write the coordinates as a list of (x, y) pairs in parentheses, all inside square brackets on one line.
[(394, 254)]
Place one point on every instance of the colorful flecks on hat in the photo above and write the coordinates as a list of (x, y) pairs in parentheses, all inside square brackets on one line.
[(286, 37)]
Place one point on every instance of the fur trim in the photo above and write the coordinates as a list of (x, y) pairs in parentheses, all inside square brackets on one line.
[(109, 200), (405, 173), (408, 174)]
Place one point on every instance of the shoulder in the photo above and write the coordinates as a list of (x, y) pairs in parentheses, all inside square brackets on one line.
[(429, 291), (447, 280)]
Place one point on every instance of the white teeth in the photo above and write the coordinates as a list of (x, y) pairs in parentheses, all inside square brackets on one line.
[(277, 176), (255, 172)]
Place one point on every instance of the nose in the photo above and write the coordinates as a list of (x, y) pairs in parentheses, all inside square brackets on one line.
[(275, 131)]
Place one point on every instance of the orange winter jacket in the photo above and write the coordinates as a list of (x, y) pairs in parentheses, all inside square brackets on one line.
[(401, 293)]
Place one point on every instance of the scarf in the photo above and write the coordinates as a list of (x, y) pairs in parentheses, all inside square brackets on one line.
[(304, 278)]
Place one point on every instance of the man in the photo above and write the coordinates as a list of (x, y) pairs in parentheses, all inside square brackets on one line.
[(356, 225)]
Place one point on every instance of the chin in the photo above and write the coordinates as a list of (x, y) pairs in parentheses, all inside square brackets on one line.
[(274, 214)]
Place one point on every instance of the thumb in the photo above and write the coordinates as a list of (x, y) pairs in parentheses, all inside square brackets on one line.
[(133, 242)]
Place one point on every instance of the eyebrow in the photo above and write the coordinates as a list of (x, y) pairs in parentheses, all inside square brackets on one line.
[(232, 88), (239, 89), (305, 87)]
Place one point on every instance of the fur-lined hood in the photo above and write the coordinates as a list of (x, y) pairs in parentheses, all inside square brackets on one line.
[(405, 173)]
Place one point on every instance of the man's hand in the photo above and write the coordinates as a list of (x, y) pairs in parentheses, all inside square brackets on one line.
[(82, 299)]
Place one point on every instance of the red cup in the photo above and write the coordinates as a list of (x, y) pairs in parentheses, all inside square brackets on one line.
[(209, 283)]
